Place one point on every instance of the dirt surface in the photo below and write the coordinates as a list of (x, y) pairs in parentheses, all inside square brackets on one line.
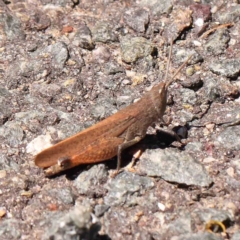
[(67, 64)]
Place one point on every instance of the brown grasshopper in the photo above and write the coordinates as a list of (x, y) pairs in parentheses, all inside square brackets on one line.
[(111, 136)]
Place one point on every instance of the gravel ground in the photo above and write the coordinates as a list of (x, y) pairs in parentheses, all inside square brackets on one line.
[(67, 64)]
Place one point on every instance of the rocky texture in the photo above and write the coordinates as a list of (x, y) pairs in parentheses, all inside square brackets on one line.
[(227, 68), (137, 19), (67, 64), (173, 166), (126, 188), (135, 48)]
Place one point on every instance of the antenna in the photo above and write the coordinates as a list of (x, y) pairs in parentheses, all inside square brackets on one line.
[(169, 61), (178, 70)]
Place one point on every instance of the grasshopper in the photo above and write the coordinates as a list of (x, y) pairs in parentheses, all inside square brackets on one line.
[(111, 136)]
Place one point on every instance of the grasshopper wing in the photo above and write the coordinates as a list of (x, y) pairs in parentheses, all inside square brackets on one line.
[(100, 150), (73, 145)]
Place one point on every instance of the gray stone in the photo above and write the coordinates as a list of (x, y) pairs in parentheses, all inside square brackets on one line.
[(157, 7), (194, 146), (112, 68), (46, 90), (4, 93), (124, 100), (12, 133), (68, 126), (5, 105), (185, 116), (207, 214), (125, 188), (181, 55), (229, 138), (212, 89), (217, 43), (83, 37), (65, 195), (198, 236), (232, 14), (30, 118), (227, 67), (100, 210), (134, 48), (59, 54), (103, 32), (195, 82), (39, 20), (182, 225), (7, 162), (21, 71), (188, 96), (136, 18), (77, 224), (10, 26), (236, 236), (118, 220), (12, 229), (90, 181), (103, 108), (174, 166)]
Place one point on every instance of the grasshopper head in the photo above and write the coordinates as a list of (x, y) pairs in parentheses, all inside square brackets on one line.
[(163, 97), (158, 96)]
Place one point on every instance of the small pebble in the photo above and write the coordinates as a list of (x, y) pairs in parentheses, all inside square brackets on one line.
[(161, 206), (230, 171), (190, 71), (69, 108), (199, 22), (3, 173)]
